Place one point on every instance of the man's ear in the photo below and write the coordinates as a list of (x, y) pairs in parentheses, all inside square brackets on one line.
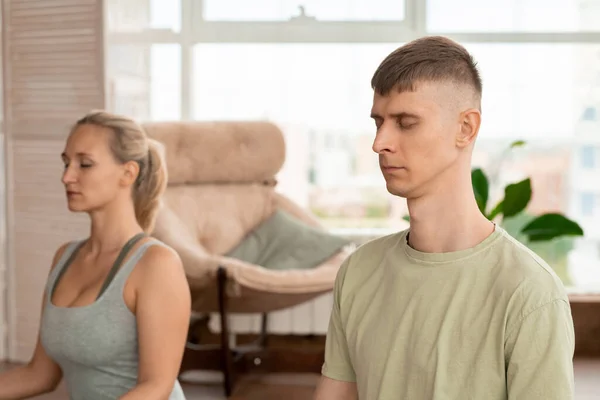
[(131, 169), (470, 121)]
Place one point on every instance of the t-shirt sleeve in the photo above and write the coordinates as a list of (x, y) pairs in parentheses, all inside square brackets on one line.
[(539, 353), (337, 364)]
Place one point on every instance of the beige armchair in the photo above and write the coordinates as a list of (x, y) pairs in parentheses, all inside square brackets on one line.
[(222, 186)]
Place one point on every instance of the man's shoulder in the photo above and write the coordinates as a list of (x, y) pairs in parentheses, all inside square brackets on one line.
[(368, 256), (375, 249), (382, 242), (533, 280), (522, 261)]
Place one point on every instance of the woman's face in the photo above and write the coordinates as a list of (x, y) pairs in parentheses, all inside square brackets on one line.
[(92, 176)]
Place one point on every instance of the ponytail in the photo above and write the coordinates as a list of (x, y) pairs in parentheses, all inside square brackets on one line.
[(150, 185)]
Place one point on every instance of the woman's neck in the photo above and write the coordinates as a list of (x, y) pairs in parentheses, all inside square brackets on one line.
[(112, 227)]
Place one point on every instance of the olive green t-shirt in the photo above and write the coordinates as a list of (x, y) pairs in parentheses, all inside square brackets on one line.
[(488, 323)]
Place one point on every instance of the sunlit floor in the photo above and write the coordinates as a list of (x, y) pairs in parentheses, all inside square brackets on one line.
[(300, 387)]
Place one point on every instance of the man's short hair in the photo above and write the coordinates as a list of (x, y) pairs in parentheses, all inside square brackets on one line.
[(428, 59)]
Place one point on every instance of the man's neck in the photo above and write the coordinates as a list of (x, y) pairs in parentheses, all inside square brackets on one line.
[(447, 222)]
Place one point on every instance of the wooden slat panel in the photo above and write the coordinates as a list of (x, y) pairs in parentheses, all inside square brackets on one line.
[(50, 21), (54, 74), (44, 4), (23, 11), (64, 84), (44, 100), (53, 33), (65, 47), (42, 224), (48, 71), (31, 62), (49, 43), (52, 57)]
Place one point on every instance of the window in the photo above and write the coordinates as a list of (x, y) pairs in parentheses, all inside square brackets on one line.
[(515, 77), (512, 16), (319, 88), (588, 204), (326, 86), (142, 15), (307, 65), (144, 81), (589, 114), (588, 157), (279, 10)]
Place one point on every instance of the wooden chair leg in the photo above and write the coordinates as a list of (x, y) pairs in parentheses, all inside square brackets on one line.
[(226, 354), (263, 331)]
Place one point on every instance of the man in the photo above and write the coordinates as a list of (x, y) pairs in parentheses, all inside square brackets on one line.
[(453, 308)]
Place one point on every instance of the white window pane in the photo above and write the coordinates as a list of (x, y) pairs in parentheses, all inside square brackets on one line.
[(277, 10), (144, 81), (590, 114), (533, 91), (588, 157), (280, 81), (141, 15), (165, 82), (513, 16), (128, 80), (588, 203)]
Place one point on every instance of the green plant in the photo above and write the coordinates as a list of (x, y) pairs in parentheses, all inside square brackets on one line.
[(517, 196)]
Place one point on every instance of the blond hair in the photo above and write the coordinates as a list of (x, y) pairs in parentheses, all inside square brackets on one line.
[(130, 143)]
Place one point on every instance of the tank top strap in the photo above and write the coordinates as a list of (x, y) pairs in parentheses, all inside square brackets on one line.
[(117, 264), (62, 264), (120, 278)]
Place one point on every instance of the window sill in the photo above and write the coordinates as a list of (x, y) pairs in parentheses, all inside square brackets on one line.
[(593, 298), (585, 309)]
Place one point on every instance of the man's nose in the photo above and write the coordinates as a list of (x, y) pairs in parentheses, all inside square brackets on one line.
[(383, 141)]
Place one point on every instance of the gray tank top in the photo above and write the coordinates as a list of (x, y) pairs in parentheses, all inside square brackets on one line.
[(96, 345)]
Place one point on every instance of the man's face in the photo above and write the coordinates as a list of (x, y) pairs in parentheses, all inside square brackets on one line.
[(417, 138)]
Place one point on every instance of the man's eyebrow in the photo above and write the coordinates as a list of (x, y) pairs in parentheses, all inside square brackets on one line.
[(401, 115), (398, 115)]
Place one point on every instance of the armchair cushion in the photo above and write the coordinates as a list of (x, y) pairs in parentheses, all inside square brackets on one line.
[(283, 242)]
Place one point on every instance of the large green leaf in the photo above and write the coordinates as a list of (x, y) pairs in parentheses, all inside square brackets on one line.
[(481, 187), (549, 226), (516, 197)]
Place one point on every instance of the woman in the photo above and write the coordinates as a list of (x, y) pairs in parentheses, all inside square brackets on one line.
[(116, 306)]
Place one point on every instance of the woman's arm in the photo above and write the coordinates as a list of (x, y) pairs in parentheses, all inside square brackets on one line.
[(163, 308), (40, 375)]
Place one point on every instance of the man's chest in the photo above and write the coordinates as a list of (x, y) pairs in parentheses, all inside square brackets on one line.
[(424, 333)]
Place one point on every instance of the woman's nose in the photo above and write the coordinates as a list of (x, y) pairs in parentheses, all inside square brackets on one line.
[(69, 176)]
